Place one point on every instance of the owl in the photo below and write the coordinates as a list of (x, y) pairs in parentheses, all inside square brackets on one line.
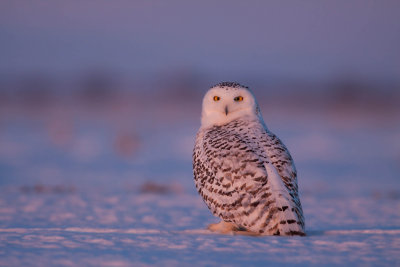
[(244, 172)]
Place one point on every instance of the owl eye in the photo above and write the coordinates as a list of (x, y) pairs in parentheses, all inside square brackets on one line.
[(238, 98), (216, 98)]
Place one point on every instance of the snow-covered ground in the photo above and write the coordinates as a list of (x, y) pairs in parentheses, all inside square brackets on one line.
[(112, 186)]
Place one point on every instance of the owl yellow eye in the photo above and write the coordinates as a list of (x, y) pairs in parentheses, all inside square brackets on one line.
[(238, 98), (216, 98)]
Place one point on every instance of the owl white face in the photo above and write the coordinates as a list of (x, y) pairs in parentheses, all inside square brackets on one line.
[(222, 104)]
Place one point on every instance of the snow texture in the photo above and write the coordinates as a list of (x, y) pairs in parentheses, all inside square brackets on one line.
[(69, 196)]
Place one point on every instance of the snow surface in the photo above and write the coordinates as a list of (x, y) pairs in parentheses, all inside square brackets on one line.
[(69, 195)]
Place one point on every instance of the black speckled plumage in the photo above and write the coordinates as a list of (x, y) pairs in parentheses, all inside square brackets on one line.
[(230, 85)]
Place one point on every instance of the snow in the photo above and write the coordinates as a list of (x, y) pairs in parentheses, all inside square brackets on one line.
[(69, 196)]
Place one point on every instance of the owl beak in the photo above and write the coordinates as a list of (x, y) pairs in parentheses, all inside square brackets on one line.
[(226, 110)]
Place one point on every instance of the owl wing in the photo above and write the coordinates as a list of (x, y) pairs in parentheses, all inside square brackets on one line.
[(283, 163), (232, 177)]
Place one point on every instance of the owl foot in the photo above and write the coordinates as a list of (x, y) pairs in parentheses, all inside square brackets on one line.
[(223, 227), (229, 228)]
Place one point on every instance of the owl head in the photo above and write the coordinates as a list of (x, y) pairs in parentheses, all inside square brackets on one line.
[(226, 102)]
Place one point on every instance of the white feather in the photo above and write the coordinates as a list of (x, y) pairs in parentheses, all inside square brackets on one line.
[(283, 199)]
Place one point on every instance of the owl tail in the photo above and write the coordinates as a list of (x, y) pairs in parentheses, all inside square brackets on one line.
[(287, 221)]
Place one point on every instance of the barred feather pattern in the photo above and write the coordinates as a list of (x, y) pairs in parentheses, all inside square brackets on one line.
[(246, 176)]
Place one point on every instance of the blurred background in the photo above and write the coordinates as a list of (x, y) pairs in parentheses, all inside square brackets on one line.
[(106, 95), (100, 102)]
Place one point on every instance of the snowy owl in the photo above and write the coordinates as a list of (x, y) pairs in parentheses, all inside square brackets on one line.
[(244, 173)]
